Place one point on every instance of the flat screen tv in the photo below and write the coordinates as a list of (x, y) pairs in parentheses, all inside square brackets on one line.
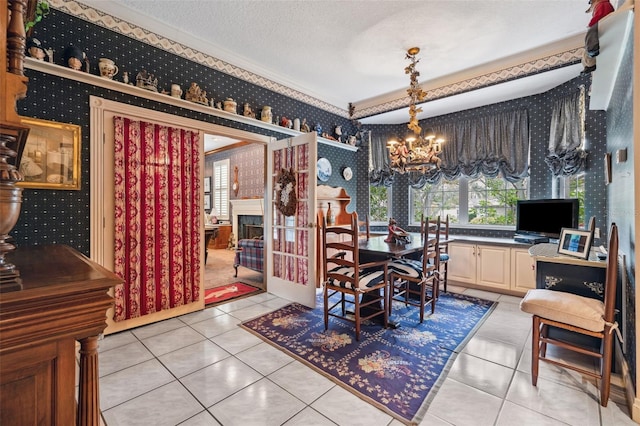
[(546, 217)]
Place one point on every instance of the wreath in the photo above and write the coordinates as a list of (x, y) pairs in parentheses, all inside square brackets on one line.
[(286, 200)]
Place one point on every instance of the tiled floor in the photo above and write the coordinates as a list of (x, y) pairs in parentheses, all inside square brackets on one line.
[(202, 369)]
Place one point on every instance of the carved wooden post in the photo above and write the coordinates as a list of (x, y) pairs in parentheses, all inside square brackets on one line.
[(88, 396)]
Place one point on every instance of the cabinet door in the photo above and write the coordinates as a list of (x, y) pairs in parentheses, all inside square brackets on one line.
[(523, 271), (493, 266), (462, 266)]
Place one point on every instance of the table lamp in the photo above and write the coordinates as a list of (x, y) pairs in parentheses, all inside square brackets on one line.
[(213, 215)]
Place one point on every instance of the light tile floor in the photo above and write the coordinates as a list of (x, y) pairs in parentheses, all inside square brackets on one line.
[(202, 369)]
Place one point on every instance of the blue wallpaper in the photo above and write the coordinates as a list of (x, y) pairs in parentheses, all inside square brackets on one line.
[(62, 217), (621, 193), (539, 108)]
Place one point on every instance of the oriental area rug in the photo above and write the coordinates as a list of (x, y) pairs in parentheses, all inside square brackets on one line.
[(397, 370), (225, 293)]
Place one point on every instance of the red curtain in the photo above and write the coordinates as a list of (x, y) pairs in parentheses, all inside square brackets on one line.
[(157, 217)]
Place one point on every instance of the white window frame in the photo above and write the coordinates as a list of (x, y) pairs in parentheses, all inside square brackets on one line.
[(220, 190), (463, 209), (389, 203)]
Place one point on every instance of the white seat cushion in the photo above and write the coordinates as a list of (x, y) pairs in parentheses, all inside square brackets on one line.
[(568, 308)]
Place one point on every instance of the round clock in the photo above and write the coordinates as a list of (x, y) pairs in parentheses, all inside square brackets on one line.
[(347, 173)]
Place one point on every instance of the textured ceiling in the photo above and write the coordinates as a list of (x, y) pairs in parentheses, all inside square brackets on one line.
[(353, 52)]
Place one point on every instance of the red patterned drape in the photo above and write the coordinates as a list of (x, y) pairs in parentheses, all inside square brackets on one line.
[(157, 217)]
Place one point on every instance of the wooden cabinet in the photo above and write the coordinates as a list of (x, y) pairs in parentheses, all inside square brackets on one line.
[(61, 300), (493, 267), (523, 270), (221, 239)]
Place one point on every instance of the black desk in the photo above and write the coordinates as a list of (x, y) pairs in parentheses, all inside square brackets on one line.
[(584, 277)]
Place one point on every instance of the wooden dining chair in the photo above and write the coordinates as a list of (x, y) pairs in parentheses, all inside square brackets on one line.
[(344, 276), (409, 278), (578, 314), (443, 246)]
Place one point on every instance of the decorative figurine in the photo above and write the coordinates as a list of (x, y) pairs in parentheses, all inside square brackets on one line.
[(304, 127), (125, 77), (318, 129), (230, 106), (176, 91), (296, 124), (35, 49), (397, 234), (247, 111), (338, 133), (75, 58), (147, 81), (196, 94)]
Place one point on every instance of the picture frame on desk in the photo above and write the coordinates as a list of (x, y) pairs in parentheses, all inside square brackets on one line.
[(575, 242)]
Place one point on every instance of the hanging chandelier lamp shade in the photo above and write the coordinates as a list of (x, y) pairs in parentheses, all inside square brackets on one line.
[(418, 151)]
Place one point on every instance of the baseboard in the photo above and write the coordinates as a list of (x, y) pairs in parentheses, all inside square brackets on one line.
[(624, 381)]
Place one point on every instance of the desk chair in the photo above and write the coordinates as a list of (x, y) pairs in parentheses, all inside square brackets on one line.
[(411, 277), (579, 314), (345, 275), (443, 227)]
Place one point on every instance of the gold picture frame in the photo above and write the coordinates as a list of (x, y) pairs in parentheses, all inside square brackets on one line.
[(51, 156)]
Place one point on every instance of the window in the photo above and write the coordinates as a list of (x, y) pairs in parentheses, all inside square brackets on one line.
[(481, 201), (221, 188), (441, 199), (379, 203), (573, 187)]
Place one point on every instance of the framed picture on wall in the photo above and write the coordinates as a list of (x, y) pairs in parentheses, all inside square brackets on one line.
[(207, 202), (51, 156), (575, 242), (207, 184)]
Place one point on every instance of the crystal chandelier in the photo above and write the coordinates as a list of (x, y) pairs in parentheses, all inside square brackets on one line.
[(416, 152)]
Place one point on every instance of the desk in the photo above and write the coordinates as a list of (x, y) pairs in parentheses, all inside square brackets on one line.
[(584, 277), (555, 271), (210, 231)]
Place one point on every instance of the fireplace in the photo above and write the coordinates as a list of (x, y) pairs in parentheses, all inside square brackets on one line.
[(249, 226), (253, 208)]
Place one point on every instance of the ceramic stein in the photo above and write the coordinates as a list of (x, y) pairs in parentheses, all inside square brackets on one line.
[(266, 114), (176, 91), (107, 67), (230, 106)]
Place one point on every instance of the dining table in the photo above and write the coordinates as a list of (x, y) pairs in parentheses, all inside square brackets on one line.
[(378, 248)]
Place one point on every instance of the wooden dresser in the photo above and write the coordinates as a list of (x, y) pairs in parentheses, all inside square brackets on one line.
[(62, 300)]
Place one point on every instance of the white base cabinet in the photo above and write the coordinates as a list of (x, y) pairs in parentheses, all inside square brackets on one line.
[(491, 266)]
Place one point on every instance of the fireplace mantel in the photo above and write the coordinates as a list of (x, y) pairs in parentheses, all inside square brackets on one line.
[(251, 206)]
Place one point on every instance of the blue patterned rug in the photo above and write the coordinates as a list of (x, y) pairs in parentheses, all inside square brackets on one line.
[(397, 370)]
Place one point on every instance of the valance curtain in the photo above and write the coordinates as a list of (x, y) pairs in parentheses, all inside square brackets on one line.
[(157, 217), (566, 155), (488, 146), (380, 173)]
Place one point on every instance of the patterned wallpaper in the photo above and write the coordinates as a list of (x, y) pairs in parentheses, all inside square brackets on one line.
[(539, 108), (62, 217), (620, 204)]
